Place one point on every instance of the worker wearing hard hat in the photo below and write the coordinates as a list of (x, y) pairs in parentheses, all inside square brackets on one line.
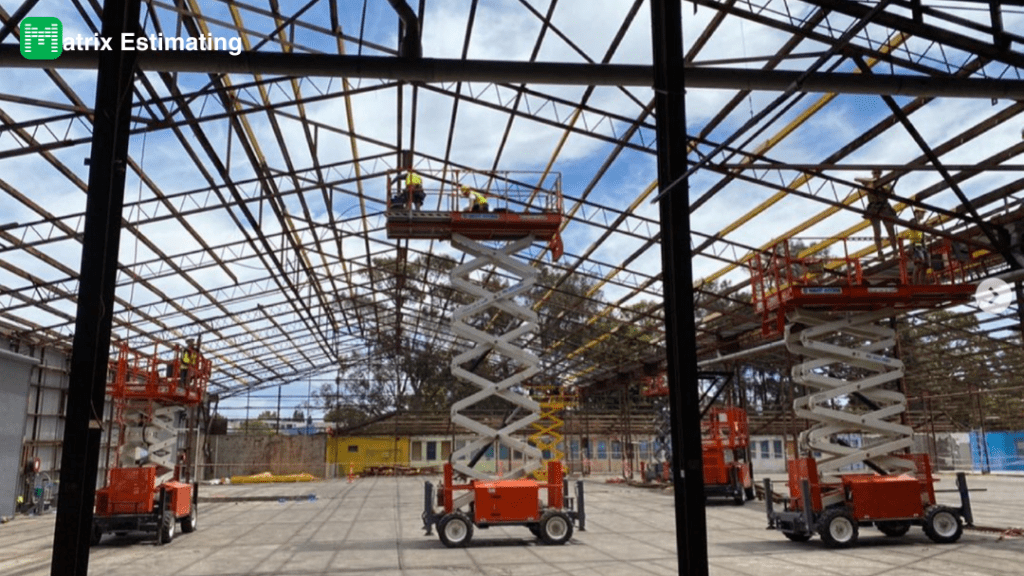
[(478, 199), (189, 358)]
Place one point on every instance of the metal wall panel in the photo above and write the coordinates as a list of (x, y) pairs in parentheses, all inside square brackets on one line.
[(14, 386)]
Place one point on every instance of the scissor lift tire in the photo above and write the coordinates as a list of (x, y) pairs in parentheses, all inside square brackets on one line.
[(555, 528), (942, 524), (455, 530), (837, 528)]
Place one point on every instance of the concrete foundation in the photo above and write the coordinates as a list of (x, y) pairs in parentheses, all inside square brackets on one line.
[(372, 526)]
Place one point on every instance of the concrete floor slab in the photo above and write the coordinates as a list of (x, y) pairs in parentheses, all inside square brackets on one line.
[(372, 526)]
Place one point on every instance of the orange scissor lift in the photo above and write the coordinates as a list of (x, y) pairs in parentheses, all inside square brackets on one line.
[(518, 216), (725, 447), (151, 485), (725, 450), (835, 312)]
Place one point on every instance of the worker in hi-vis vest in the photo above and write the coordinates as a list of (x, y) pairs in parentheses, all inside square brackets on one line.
[(478, 201), (414, 187), (189, 358)]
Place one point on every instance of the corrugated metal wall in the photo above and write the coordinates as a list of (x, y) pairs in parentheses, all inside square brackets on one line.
[(14, 387), (44, 430)]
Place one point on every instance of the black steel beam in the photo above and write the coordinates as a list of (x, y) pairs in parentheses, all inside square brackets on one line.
[(15, 18), (432, 70), (91, 345), (677, 279), (409, 45), (941, 32)]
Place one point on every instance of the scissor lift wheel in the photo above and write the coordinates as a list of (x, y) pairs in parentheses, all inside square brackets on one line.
[(455, 530), (837, 527), (942, 524), (555, 528), (893, 528)]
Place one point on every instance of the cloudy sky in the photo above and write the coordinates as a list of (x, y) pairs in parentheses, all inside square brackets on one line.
[(329, 219)]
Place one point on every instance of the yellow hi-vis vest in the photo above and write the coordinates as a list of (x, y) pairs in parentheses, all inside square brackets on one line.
[(413, 178)]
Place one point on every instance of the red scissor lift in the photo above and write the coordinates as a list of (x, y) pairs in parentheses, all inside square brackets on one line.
[(725, 440), (519, 214), (835, 311), (151, 485), (725, 447)]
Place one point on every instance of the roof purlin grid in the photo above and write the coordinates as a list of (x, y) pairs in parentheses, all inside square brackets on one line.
[(310, 264)]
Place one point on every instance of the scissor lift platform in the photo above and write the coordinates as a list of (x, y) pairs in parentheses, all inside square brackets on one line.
[(783, 282), (498, 225), (514, 210)]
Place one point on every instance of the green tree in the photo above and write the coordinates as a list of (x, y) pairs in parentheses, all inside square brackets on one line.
[(255, 427), (957, 373)]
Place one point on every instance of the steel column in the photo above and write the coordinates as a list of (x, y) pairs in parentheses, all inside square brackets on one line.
[(91, 344), (677, 275)]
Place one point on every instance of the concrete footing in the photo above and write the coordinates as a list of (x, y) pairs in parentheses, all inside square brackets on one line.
[(372, 526)]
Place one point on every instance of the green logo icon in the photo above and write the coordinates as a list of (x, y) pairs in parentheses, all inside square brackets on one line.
[(42, 38)]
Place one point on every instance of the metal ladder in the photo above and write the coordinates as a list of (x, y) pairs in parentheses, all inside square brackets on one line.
[(525, 410), (846, 366)]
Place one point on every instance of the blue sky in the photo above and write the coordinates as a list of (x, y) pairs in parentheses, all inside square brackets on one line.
[(502, 30)]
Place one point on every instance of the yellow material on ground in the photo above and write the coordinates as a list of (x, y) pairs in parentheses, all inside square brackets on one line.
[(267, 477)]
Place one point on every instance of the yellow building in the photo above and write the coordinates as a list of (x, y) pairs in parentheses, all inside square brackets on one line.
[(365, 452)]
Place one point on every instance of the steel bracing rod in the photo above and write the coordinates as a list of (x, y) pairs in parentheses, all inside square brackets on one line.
[(254, 154), (514, 107), (149, 211), (831, 346), (582, 103), (157, 122), (133, 229), (484, 259), (951, 144), (16, 17), (212, 322), (807, 31)]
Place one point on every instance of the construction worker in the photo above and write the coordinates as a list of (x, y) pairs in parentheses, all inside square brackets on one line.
[(917, 250), (414, 188), (189, 358), (879, 209), (478, 201)]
